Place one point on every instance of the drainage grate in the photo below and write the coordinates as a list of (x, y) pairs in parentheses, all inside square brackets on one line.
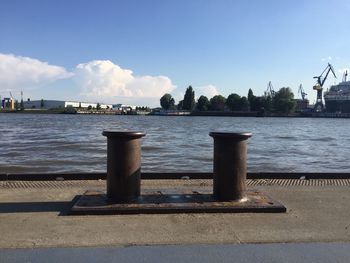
[(298, 182), (170, 183), (49, 184)]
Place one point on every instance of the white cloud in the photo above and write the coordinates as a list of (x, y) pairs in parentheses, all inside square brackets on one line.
[(18, 72), (98, 80), (105, 80), (209, 91), (329, 58), (178, 95)]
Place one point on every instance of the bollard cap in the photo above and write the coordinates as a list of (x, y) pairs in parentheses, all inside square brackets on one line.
[(124, 134), (231, 135)]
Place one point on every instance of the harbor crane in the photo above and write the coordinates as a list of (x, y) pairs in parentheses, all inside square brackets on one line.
[(319, 86), (302, 92), (270, 90), (345, 76)]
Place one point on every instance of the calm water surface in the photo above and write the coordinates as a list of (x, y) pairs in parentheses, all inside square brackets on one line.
[(43, 143)]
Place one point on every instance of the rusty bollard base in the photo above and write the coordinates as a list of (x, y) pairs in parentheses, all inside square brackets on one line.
[(167, 202), (123, 164), (229, 167)]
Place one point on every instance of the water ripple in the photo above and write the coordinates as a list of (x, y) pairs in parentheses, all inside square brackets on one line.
[(73, 143)]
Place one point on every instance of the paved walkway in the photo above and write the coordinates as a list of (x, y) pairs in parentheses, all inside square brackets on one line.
[(247, 253), (35, 218)]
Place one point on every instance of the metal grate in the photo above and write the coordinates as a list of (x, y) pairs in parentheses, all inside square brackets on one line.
[(49, 184), (170, 183), (298, 182)]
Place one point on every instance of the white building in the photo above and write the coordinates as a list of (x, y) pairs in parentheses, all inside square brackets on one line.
[(51, 104), (123, 107)]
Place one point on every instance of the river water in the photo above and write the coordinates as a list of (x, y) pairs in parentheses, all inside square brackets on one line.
[(40, 143)]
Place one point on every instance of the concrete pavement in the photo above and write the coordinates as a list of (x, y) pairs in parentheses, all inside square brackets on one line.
[(35, 218), (243, 253)]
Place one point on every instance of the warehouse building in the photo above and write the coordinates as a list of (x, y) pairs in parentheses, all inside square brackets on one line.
[(54, 104)]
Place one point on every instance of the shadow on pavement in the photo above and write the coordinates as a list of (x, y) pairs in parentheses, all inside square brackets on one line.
[(63, 207)]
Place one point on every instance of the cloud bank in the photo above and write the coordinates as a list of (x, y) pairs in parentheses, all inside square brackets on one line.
[(18, 72), (95, 81), (209, 91), (104, 79)]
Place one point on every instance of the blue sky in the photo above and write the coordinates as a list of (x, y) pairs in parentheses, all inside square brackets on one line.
[(215, 46)]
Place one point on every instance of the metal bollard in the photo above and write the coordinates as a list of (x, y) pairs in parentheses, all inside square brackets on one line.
[(230, 171), (123, 165)]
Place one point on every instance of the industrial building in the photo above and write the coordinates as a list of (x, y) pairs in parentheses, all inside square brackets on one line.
[(8, 103), (301, 104), (50, 104), (123, 107)]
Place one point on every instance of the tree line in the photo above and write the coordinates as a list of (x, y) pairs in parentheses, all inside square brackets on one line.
[(281, 101)]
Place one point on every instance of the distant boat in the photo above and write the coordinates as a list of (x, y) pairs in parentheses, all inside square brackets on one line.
[(171, 112)]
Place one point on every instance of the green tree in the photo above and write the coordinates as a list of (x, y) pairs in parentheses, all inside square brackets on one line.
[(89, 107), (244, 104), (42, 103), (189, 101), (251, 99), (98, 106), (167, 101), (217, 103), (250, 95), (180, 106), (203, 103), (267, 102), (16, 105), (70, 110), (257, 103), (283, 101), (233, 102)]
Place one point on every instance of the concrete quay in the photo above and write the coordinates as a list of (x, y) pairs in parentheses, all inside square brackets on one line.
[(33, 214)]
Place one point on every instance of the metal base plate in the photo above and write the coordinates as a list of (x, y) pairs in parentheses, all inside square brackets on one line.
[(161, 202)]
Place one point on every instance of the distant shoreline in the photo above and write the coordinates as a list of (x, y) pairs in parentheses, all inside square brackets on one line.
[(192, 114)]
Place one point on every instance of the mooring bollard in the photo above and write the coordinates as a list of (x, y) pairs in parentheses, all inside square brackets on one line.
[(123, 165), (230, 170), (124, 183)]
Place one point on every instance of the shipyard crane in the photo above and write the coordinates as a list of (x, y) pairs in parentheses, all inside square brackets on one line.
[(345, 76), (302, 92), (270, 90), (319, 86)]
